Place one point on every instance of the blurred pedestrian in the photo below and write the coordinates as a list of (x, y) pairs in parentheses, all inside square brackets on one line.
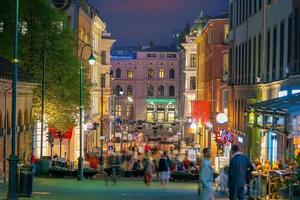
[(206, 176), (149, 169), (164, 170), (239, 169)]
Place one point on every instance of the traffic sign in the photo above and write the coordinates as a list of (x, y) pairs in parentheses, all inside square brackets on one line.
[(192, 155)]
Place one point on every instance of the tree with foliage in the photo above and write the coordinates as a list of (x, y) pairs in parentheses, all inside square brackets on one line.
[(42, 27)]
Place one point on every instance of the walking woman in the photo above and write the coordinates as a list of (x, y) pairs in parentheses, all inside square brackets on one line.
[(164, 170), (149, 169)]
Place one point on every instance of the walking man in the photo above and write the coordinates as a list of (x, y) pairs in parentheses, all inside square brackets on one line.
[(239, 168), (206, 176)]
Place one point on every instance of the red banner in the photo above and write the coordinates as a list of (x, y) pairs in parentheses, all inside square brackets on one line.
[(201, 111), (66, 135)]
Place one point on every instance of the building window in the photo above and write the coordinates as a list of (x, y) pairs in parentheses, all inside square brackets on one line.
[(150, 90), (103, 57), (249, 61), (129, 73), (129, 111), (230, 15), (171, 74), (171, 113), (151, 55), (118, 73), (129, 90), (118, 110), (225, 67), (161, 91), (119, 90), (171, 55), (193, 60), (226, 33), (268, 55), (259, 56), (290, 39), (254, 60), (260, 4), (150, 113), (193, 83), (150, 73), (274, 59), (171, 91), (281, 50), (161, 73)]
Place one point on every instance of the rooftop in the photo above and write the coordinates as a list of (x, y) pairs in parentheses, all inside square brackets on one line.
[(160, 48)]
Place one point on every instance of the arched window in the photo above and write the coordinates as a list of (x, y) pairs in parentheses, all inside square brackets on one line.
[(118, 90), (171, 91), (172, 74), (118, 73), (150, 90), (150, 73), (161, 91), (129, 90)]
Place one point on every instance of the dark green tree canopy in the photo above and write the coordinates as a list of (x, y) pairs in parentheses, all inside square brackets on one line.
[(42, 26)]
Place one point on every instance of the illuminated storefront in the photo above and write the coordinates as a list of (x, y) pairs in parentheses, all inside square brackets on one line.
[(161, 110), (273, 128)]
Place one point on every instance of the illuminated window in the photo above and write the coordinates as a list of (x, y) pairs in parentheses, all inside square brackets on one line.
[(129, 73), (150, 113), (129, 110), (193, 60), (226, 32), (150, 73), (118, 110), (161, 73), (225, 67)]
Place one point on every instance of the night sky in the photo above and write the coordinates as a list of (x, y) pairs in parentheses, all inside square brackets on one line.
[(134, 22)]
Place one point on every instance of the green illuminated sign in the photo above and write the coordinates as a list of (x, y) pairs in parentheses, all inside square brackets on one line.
[(154, 100)]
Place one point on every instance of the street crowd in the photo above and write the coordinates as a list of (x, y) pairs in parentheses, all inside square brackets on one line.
[(162, 166)]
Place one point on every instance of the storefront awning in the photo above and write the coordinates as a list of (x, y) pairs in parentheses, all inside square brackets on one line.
[(160, 100), (283, 105)]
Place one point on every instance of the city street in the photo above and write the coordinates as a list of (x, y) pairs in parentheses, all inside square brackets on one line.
[(126, 189)]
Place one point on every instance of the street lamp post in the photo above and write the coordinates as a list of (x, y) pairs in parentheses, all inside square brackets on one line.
[(13, 159), (91, 61), (101, 119), (5, 134)]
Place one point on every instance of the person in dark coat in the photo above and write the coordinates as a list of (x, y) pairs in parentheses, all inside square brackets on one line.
[(239, 169)]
